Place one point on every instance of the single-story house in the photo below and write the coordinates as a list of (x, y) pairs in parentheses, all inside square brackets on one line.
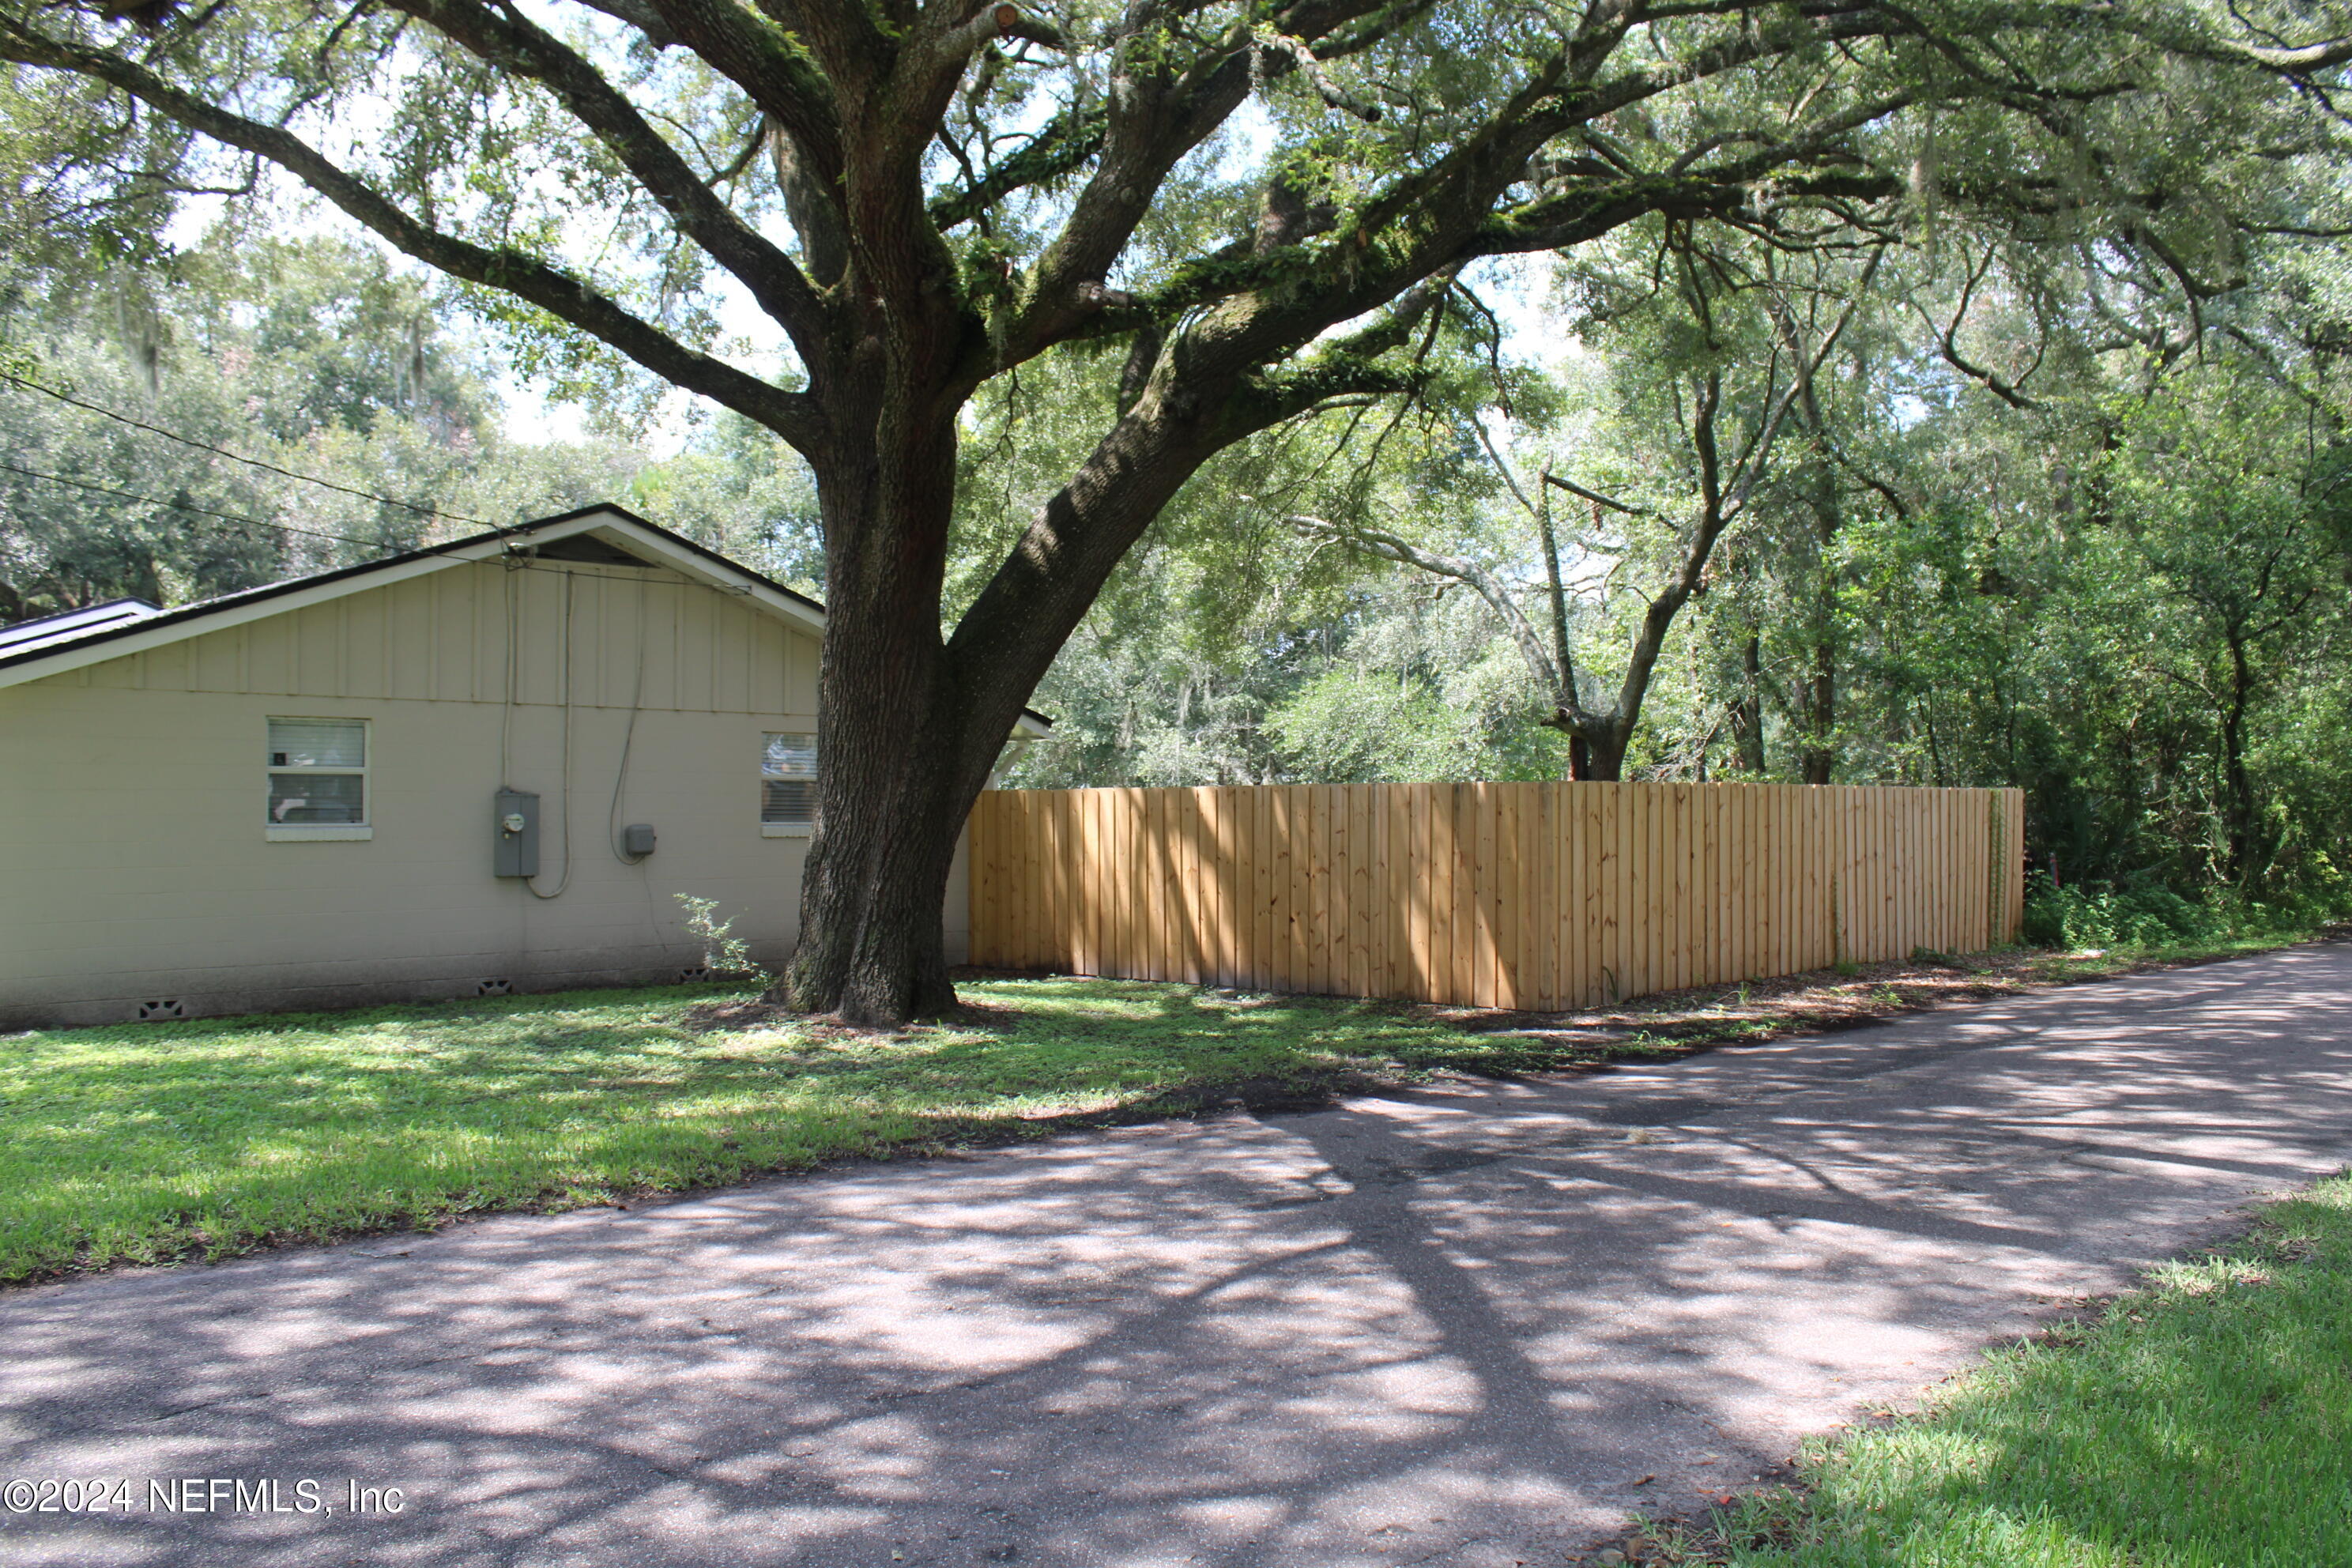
[(484, 766)]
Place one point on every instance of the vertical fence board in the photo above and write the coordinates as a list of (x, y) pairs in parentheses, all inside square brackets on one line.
[(1891, 877), (1948, 875), (1742, 859), (1143, 882), (1718, 861), (1862, 902), (1817, 878), (1563, 899), (1304, 922), (1916, 869), (1151, 833), (1673, 885), (1611, 932), (1537, 896), (1951, 886), (1396, 915), (1644, 863), (1312, 885), (1482, 849), (1444, 830), (1188, 885), (1203, 898), (1425, 873), (1335, 871), (1340, 959), (1891, 937), (1100, 952), (1898, 878), (1355, 970), (1453, 819), (1863, 938), (1163, 822)]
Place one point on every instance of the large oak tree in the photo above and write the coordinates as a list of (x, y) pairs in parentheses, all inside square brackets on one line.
[(1261, 206)]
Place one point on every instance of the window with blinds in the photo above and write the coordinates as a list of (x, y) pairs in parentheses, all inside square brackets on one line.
[(318, 772), (788, 780)]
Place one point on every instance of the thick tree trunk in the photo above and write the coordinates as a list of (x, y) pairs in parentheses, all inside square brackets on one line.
[(875, 888), (1747, 712), (1819, 757), (908, 725), (1605, 753), (1596, 747), (894, 784), (2233, 764), (1818, 761)]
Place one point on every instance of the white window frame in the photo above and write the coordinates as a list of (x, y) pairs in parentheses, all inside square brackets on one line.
[(784, 830), (321, 832)]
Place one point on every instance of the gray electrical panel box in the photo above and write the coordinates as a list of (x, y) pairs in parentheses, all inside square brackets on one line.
[(515, 826), (637, 839)]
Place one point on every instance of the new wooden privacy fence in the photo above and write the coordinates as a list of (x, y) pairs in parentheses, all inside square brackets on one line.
[(1493, 895)]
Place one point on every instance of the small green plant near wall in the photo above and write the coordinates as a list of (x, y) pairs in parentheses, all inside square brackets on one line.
[(724, 954)]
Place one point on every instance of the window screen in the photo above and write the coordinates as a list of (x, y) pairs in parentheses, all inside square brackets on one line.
[(788, 779), (317, 771)]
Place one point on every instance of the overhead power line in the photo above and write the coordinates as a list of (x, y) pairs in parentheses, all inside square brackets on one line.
[(67, 398), (199, 510), (513, 562)]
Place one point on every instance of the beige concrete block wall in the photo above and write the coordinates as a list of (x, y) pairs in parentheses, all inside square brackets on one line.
[(135, 866)]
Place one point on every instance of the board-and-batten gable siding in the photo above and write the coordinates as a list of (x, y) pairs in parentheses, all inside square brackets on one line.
[(443, 636)]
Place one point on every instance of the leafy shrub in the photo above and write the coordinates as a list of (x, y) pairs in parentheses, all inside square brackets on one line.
[(2153, 916)]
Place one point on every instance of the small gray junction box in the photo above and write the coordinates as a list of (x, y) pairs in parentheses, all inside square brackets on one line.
[(515, 849)]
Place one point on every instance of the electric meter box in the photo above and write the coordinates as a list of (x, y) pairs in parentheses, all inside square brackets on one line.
[(515, 827)]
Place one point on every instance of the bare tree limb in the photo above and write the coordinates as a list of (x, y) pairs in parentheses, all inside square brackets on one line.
[(520, 47), (1595, 497), (1496, 594), (793, 416)]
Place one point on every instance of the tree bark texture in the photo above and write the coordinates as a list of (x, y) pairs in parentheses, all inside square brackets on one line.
[(2239, 783), (1748, 711)]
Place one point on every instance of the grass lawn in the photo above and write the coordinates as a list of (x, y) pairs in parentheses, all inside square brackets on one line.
[(151, 1141), (2204, 1423)]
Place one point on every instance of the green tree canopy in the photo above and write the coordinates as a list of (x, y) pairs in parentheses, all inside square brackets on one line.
[(1259, 209)]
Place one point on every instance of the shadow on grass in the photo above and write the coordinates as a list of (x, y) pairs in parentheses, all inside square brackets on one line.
[(212, 1137)]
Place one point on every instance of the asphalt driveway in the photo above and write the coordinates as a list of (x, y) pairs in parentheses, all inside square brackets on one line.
[(1479, 1325)]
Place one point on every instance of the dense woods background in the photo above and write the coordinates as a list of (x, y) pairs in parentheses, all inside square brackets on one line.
[(1958, 500)]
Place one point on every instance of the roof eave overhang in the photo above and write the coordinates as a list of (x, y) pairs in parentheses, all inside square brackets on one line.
[(689, 561)]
